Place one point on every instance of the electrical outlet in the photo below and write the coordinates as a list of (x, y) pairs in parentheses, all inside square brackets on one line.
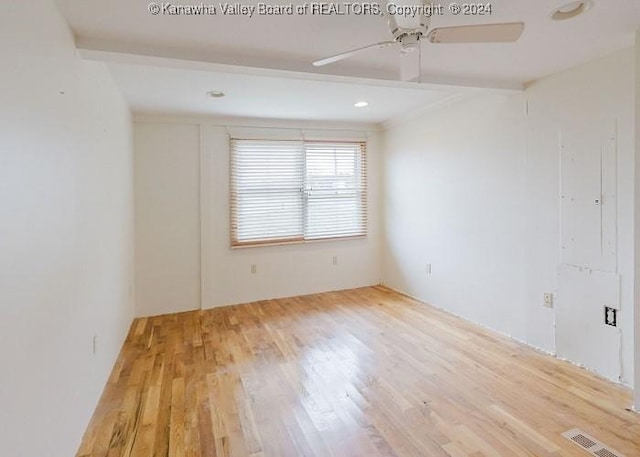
[(548, 300), (610, 316), (428, 269), (335, 260), (254, 269), (94, 344)]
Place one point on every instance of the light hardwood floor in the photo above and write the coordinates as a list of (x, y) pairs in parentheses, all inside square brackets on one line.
[(365, 372)]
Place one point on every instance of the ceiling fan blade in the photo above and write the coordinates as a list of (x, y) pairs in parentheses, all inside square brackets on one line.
[(486, 33), (345, 55)]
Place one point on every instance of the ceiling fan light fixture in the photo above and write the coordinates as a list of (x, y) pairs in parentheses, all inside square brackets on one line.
[(408, 48), (571, 10), (361, 104)]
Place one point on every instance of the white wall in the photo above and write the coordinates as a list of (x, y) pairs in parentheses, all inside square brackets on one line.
[(637, 226), (582, 100), (66, 232), (452, 198), (167, 195), (226, 273), (473, 189)]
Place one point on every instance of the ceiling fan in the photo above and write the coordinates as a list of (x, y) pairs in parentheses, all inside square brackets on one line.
[(409, 30)]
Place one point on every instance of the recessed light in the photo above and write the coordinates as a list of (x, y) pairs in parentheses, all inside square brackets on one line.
[(571, 10), (360, 104), (215, 94)]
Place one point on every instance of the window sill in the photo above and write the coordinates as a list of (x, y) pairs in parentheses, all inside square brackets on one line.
[(296, 242)]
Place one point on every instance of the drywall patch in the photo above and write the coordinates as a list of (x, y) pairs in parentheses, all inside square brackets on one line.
[(582, 335), (588, 201)]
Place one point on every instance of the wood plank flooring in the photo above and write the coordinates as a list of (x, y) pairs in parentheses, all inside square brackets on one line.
[(365, 372)]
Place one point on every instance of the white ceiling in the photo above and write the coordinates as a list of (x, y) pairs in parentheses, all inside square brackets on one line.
[(286, 46), (162, 90)]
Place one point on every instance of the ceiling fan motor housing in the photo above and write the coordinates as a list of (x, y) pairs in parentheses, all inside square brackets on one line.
[(408, 29)]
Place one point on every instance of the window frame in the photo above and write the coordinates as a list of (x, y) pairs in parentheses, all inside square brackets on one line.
[(363, 190)]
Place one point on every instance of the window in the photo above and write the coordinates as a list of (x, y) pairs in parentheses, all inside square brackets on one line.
[(295, 191)]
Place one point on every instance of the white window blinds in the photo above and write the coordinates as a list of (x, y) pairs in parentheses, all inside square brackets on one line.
[(291, 191), (336, 190), (267, 180)]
